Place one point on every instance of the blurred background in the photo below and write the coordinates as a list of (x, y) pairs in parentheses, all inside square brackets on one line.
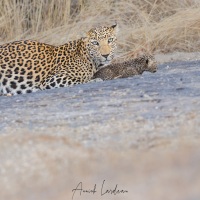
[(162, 25)]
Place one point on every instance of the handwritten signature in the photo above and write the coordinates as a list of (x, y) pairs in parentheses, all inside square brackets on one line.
[(115, 191)]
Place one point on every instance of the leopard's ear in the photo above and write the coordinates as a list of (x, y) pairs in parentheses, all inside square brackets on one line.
[(84, 39), (115, 27)]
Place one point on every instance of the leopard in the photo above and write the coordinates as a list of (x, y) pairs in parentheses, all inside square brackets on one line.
[(28, 66), (128, 68)]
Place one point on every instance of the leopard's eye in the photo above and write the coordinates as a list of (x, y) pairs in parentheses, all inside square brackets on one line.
[(95, 42), (110, 40)]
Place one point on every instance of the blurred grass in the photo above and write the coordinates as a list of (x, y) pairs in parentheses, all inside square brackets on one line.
[(161, 25)]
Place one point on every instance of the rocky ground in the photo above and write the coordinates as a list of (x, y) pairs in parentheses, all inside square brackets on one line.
[(141, 133)]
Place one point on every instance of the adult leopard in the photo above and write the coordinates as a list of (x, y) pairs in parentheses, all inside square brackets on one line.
[(28, 66)]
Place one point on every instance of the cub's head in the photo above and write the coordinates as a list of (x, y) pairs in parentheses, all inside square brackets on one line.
[(151, 64), (101, 44)]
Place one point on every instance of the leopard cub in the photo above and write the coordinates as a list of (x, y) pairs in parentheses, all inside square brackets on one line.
[(136, 66)]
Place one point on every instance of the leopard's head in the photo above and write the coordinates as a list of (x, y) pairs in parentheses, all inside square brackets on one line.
[(101, 44)]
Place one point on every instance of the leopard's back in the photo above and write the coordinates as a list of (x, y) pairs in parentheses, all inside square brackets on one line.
[(23, 64)]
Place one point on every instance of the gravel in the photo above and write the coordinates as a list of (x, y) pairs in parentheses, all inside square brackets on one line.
[(145, 125)]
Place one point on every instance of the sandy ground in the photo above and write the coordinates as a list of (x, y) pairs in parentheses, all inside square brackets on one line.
[(140, 133)]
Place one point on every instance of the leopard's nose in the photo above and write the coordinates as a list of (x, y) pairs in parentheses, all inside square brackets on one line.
[(105, 55)]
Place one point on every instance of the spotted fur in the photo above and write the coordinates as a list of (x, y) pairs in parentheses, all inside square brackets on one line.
[(127, 68), (29, 66)]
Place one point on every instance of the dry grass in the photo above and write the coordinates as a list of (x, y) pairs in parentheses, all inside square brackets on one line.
[(163, 26)]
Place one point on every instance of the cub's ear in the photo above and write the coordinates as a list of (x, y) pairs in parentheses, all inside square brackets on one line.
[(141, 52), (115, 27)]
